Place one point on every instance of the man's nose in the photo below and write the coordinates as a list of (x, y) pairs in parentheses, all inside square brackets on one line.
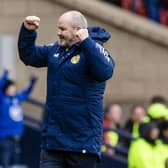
[(59, 32)]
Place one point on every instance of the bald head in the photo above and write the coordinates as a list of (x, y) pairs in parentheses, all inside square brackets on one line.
[(68, 25), (76, 18)]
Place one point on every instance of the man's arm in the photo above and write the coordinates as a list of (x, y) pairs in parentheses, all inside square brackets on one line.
[(29, 53), (3, 78), (24, 94), (100, 62)]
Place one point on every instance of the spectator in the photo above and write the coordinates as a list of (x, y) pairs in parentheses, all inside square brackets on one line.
[(11, 117), (138, 115), (145, 152), (112, 119)]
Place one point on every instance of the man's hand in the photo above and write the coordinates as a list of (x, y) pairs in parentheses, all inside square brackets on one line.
[(33, 78), (82, 34), (31, 22)]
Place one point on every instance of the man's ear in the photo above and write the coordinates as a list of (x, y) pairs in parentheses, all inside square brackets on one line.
[(77, 29)]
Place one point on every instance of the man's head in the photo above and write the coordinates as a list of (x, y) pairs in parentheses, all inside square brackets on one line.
[(149, 131), (9, 88), (138, 113), (113, 113), (68, 24)]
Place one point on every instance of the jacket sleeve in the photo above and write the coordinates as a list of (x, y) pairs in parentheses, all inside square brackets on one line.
[(24, 94), (3, 79), (29, 52), (100, 62)]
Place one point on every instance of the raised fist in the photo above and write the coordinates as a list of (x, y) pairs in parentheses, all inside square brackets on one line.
[(31, 22), (82, 34)]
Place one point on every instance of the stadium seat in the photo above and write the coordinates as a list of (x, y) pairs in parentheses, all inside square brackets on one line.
[(164, 17)]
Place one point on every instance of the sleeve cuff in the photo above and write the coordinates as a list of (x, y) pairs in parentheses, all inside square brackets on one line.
[(87, 43), (26, 30)]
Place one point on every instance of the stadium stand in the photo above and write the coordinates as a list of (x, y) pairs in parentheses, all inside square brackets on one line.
[(155, 10)]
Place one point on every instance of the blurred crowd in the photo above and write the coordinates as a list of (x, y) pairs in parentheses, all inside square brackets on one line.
[(148, 129), (156, 10), (143, 138)]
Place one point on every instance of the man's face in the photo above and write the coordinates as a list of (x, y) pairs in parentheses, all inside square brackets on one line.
[(138, 114), (154, 133), (115, 114), (11, 90), (66, 32)]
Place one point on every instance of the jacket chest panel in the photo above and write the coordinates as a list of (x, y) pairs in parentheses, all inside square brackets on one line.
[(66, 62)]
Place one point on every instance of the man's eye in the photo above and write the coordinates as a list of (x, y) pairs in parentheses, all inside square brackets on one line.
[(63, 29)]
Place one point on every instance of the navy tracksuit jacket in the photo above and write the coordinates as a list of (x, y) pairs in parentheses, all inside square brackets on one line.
[(75, 87)]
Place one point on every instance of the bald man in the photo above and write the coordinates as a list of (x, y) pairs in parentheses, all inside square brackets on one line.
[(77, 69)]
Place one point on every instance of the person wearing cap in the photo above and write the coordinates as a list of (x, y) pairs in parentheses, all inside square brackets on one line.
[(11, 119)]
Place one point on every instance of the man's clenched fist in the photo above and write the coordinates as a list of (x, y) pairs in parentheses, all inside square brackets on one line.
[(31, 22), (82, 34)]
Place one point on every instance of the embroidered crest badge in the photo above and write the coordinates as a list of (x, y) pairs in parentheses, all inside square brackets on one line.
[(75, 59)]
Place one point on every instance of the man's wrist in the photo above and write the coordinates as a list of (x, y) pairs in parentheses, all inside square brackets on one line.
[(26, 29)]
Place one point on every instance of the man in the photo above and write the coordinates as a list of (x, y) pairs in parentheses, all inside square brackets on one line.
[(112, 117), (78, 67), (11, 117), (138, 116)]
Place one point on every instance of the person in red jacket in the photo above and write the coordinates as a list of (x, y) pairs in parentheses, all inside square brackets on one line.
[(112, 118)]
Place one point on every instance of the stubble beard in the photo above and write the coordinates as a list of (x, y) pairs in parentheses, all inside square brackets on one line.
[(64, 43)]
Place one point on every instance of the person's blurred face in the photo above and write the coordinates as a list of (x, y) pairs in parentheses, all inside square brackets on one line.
[(115, 113), (66, 32), (11, 90), (154, 134), (138, 114), (165, 133)]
